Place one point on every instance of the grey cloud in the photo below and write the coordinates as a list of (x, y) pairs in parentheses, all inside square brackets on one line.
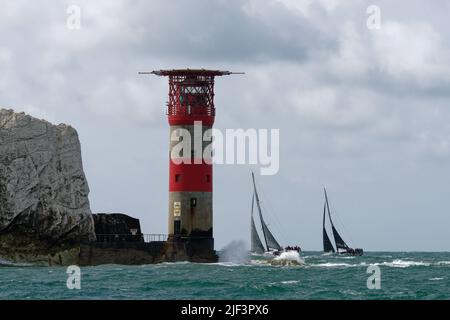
[(225, 31)]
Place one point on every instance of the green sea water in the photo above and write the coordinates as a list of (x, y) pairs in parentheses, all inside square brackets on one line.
[(403, 276)]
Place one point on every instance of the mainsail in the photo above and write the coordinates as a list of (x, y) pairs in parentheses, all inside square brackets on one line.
[(271, 242), (327, 246), (340, 243), (256, 244)]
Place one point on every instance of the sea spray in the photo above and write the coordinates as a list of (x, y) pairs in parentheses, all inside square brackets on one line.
[(8, 263), (235, 252), (288, 258)]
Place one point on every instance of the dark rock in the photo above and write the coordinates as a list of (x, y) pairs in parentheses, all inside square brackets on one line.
[(117, 227)]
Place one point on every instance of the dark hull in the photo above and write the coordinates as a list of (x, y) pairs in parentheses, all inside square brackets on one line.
[(353, 252)]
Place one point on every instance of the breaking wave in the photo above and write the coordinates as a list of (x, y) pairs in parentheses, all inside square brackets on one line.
[(228, 264), (290, 282), (288, 256), (398, 263), (336, 264), (7, 263)]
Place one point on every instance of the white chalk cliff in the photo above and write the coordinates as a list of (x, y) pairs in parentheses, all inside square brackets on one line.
[(43, 188)]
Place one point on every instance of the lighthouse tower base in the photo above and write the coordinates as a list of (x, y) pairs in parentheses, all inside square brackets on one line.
[(193, 250)]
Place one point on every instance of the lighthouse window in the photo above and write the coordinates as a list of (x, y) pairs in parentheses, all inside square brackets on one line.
[(193, 202), (177, 177), (208, 178)]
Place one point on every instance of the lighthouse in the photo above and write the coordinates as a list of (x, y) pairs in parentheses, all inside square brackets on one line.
[(191, 114)]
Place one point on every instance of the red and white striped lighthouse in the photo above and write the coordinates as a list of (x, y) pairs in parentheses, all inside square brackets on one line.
[(190, 109)]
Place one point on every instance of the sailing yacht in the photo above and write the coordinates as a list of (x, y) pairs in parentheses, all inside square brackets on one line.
[(341, 246), (271, 245)]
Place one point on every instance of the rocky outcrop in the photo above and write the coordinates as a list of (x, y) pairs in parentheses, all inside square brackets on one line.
[(116, 223), (43, 190), (117, 227)]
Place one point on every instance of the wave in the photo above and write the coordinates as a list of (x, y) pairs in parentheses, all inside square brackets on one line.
[(398, 263), (259, 262), (285, 282), (229, 264), (436, 279), (162, 264), (332, 265), (288, 258), (7, 263)]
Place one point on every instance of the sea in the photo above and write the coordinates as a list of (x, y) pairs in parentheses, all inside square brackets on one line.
[(376, 275)]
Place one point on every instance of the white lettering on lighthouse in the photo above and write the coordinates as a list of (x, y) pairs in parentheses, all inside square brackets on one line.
[(251, 146), (241, 137), (181, 152)]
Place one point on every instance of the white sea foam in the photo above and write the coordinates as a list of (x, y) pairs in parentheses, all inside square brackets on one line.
[(174, 263), (398, 263), (259, 262), (4, 262), (289, 257), (333, 265), (350, 292), (290, 282), (228, 264), (436, 279)]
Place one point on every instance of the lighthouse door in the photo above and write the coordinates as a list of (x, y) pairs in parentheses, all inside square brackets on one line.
[(177, 227)]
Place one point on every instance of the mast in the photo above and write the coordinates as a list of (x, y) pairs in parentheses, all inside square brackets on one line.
[(259, 210), (327, 246), (328, 206), (324, 208), (256, 244)]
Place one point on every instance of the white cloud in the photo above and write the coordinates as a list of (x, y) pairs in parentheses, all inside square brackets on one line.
[(412, 52)]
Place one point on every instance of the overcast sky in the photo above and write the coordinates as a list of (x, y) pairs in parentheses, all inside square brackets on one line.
[(365, 112)]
